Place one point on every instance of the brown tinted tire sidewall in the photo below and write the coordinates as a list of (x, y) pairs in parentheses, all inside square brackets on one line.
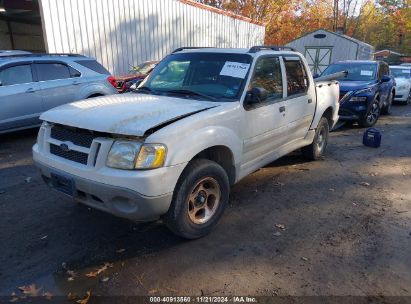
[(177, 218)]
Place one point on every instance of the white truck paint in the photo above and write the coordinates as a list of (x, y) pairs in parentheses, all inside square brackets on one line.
[(238, 137)]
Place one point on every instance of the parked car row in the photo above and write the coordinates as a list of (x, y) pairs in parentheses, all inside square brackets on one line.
[(369, 88)]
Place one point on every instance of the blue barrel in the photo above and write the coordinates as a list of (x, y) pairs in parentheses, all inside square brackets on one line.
[(372, 138)]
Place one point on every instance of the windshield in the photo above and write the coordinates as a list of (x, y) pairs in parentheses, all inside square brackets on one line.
[(356, 71), (143, 68), (199, 75), (401, 73)]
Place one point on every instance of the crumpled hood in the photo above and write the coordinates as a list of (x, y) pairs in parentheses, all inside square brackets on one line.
[(346, 86), (129, 77), (127, 114)]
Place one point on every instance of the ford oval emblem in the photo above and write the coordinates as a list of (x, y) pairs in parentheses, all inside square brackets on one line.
[(64, 147)]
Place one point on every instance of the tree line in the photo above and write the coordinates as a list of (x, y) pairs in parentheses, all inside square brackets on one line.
[(385, 24)]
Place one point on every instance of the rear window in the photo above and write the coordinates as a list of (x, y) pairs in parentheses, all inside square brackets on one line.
[(94, 66)]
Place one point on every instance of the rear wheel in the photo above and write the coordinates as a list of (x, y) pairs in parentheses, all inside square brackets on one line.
[(319, 144), (372, 115), (386, 109), (199, 200)]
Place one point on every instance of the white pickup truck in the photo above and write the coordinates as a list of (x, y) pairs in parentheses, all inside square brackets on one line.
[(203, 120)]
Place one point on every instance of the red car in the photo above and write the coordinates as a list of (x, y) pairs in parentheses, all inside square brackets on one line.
[(137, 74)]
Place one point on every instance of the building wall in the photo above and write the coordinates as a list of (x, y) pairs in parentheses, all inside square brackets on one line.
[(126, 32), (342, 49), (5, 43), (27, 37)]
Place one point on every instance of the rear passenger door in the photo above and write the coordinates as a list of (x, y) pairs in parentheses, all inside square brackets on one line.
[(20, 100), (265, 128), (300, 107), (57, 83)]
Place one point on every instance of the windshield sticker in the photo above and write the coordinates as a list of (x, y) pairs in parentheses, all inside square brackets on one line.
[(406, 71), (366, 73), (235, 69)]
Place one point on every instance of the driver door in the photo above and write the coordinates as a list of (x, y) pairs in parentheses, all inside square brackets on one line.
[(265, 126)]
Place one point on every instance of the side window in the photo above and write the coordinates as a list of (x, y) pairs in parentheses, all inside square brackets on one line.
[(52, 71), (297, 78), (383, 70), (267, 75), (74, 72), (16, 75)]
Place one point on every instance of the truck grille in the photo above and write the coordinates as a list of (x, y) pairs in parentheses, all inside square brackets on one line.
[(78, 157), (79, 137)]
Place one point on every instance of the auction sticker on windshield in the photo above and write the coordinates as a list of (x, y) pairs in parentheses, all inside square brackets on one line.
[(235, 69), (366, 73)]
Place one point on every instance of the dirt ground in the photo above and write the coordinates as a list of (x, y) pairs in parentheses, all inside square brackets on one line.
[(347, 229)]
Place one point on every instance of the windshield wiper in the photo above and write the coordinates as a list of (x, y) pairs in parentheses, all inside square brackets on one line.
[(191, 93)]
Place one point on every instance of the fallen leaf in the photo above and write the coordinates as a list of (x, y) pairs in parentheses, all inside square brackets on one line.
[(153, 291), (103, 268), (121, 250), (44, 237), (47, 295), (28, 179), (105, 279), (280, 226), (365, 184), (277, 233), (14, 299), (70, 279), (30, 290), (304, 259), (332, 189), (85, 299), (279, 184)]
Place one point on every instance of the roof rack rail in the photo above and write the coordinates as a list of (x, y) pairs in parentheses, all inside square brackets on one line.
[(42, 54), (189, 48), (258, 48)]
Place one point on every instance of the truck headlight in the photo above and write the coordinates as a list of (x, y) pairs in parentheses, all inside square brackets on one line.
[(151, 156), (127, 154)]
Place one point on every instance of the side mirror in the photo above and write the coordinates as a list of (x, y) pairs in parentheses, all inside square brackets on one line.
[(316, 75), (385, 78), (256, 95)]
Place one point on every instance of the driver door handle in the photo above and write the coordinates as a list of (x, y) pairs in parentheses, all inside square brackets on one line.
[(76, 82), (282, 109), (310, 100), (30, 90)]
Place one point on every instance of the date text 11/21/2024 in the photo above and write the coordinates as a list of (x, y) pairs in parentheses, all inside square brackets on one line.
[(203, 299)]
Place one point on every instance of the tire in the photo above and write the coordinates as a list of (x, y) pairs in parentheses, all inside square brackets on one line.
[(315, 150), (199, 199), (386, 109), (372, 115), (408, 101)]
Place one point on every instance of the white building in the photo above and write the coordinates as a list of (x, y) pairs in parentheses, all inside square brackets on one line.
[(123, 32)]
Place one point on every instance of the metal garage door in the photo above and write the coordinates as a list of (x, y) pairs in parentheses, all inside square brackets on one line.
[(318, 58)]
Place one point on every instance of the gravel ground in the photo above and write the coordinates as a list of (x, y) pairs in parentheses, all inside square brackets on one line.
[(338, 226)]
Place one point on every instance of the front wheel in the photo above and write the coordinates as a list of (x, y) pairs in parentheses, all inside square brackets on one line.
[(372, 115), (199, 199), (317, 148)]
